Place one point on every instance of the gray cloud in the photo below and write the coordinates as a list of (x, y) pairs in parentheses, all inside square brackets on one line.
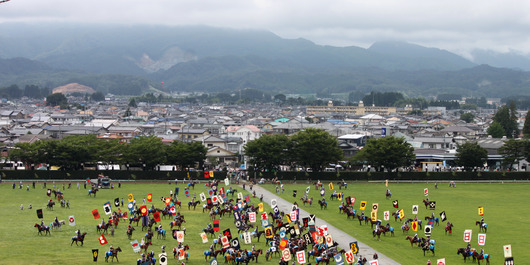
[(455, 25)]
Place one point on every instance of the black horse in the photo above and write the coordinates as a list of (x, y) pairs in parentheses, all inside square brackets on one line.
[(112, 254), (76, 239)]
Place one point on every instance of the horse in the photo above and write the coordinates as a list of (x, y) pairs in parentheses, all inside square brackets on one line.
[(464, 253), (112, 253), (436, 220), (254, 254), (388, 229), (480, 257), (177, 223), (56, 225), (362, 218), (449, 228), (161, 233), (323, 204), (50, 205), (306, 200), (76, 239), (208, 253), (194, 204), (378, 232), (426, 247), (405, 228), (342, 184), (426, 202), (93, 191), (145, 246), (102, 228), (148, 236), (257, 233), (334, 196), (130, 232), (46, 229), (231, 192), (412, 240), (482, 226)]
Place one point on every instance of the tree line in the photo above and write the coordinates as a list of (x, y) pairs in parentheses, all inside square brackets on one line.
[(72, 152)]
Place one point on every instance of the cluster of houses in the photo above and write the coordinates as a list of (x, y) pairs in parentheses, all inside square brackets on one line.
[(225, 129)]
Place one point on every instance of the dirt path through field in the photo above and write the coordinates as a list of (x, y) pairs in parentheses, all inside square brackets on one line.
[(338, 235)]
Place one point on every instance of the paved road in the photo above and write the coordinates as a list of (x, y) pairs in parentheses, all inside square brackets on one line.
[(341, 237)]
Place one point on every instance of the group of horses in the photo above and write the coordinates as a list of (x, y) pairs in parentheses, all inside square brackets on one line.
[(472, 253)]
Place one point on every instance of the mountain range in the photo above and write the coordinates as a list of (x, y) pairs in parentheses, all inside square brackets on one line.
[(129, 59)]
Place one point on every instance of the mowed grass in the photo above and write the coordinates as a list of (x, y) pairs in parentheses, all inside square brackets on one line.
[(20, 243), (506, 212)]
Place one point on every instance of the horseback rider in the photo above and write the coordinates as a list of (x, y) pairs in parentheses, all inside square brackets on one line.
[(468, 248), (415, 237), (212, 248), (56, 221), (111, 248), (432, 215), (481, 251), (244, 255)]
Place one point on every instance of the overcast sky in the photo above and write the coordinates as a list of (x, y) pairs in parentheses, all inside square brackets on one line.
[(455, 25)]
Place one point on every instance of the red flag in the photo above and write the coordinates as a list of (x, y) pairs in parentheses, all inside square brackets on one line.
[(216, 225), (206, 174), (283, 244), (150, 197), (156, 216), (124, 215), (102, 240), (168, 200), (143, 210), (95, 213)]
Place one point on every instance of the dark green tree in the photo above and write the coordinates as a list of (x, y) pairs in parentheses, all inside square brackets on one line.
[(526, 127), (507, 117), (98, 96), (315, 149), (269, 151), (148, 150), (56, 99), (470, 155), (496, 130), (388, 152), (467, 117), (132, 103), (513, 152), (186, 155), (32, 91)]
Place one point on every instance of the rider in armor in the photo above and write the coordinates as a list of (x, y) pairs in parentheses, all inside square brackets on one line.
[(416, 237), (468, 248)]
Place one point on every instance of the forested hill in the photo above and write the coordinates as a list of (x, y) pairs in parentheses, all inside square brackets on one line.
[(198, 58)]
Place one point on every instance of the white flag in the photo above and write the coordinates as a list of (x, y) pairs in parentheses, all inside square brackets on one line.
[(204, 237), (71, 220)]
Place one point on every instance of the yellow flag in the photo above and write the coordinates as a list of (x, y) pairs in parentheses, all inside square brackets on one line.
[(288, 217), (415, 226), (374, 216), (339, 196), (130, 197), (363, 205), (260, 207), (330, 185), (188, 174), (481, 211), (401, 214), (211, 173)]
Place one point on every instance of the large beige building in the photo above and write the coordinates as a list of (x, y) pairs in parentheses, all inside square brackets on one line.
[(354, 110)]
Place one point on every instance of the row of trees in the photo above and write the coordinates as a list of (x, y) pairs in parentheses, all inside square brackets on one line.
[(73, 151), (470, 155)]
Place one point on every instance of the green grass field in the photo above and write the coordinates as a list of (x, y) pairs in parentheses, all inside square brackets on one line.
[(504, 206), (20, 243), (505, 212)]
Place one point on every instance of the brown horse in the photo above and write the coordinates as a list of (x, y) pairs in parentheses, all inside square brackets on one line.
[(323, 204), (207, 253), (194, 204), (362, 218), (405, 228), (76, 239), (412, 240), (102, 228), (449, 228), (482, 226), (255, 254), (480, 257), (50, 205), (113, 254), (145, 246), (306, 200), (426, 203), (426, 247), (177, 223), (46, 229), (378, 233), (92, 191)]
